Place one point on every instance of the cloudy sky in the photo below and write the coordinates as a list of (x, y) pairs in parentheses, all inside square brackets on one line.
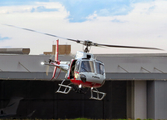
[(118, 22)]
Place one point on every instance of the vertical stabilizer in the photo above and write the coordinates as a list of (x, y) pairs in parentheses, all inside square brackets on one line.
[(56, 58)]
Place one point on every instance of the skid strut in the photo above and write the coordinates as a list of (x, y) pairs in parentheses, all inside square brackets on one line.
[(65, 89), (95, 94)]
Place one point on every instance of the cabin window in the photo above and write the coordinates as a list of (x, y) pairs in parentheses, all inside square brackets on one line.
[(72, 69), (99, 68), (87, 66), (77, 66)]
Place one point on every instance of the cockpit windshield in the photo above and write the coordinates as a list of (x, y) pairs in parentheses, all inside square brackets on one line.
[(87, 66), (99, 68)]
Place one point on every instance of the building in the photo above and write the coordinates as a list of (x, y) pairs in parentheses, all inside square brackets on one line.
[(63, 50), (136, 87)]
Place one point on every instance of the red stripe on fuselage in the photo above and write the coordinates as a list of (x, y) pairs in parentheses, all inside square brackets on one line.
[(85, 84)]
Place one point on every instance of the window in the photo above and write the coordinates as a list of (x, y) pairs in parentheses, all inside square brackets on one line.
[(87, 66), (99, 68), (77, 66)]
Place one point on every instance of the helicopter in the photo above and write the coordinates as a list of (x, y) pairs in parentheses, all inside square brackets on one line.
[(84, 71)]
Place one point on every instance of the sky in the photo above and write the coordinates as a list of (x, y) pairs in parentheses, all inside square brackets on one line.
[(116, 22)]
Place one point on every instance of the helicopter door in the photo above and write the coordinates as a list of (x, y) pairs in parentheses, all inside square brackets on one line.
[(71, 70), (100, 70)]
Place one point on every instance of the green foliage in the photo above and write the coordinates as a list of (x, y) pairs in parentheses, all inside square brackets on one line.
[(82, 119), (77, 119)]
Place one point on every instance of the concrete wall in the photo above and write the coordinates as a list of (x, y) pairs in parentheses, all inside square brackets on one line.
[(113, 63), (20, 63), (153, 63), (136, 99), (140, 100), (157, 100)]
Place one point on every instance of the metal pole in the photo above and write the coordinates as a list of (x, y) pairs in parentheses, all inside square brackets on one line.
[(24, 67)]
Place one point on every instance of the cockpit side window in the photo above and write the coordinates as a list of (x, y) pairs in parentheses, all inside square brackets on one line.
[(77, 66), (72, 69), (99, 68), (87, 66)]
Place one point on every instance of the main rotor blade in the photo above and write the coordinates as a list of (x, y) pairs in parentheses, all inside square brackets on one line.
[(86, 42), (136, 47), (77, 41)]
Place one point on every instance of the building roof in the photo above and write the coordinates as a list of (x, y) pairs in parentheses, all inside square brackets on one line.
[(14, 51)]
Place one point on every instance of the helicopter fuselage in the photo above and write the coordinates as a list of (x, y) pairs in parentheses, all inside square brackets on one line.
[(86, 71)]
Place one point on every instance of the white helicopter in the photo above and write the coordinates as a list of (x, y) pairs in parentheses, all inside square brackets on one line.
[(84, 70)]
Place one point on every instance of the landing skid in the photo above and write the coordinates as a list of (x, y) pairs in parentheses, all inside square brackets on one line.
[(95, 94), (64, 89)]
